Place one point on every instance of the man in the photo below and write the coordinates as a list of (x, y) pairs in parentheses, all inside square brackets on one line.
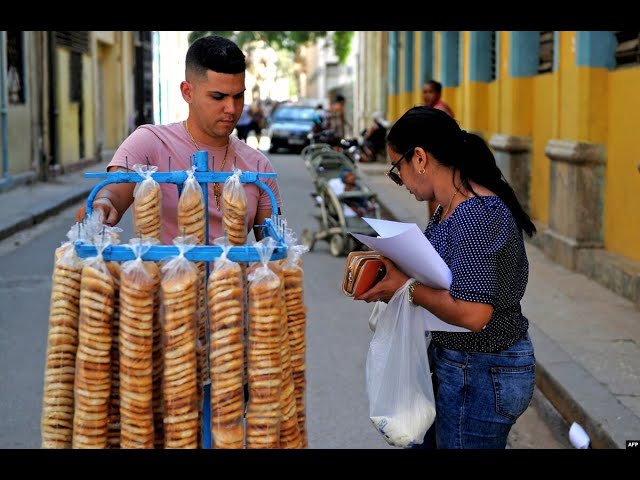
[(337, 121), (375, 140), (214, 88), (432, 97), (243, 125)]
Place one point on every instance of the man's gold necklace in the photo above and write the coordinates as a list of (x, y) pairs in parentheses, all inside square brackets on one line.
[(216, 186)]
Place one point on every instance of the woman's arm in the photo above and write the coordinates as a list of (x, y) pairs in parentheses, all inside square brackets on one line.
[(471, 315)]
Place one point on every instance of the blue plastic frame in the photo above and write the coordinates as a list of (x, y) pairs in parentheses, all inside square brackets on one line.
[(200, 253)]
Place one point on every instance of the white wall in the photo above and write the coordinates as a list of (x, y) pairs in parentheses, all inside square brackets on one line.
[(170, 49)]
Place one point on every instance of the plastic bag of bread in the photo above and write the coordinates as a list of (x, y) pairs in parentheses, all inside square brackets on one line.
[(296, 326), (234, 209), (263, 353), (96, 232), (191, 221), (179, 291), (226, 297), (92, 389), (146, 204), (139, 282), (62, 343), (191, 211)]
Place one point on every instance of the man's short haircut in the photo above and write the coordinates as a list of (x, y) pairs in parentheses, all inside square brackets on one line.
[(340, 98), (214, 53)]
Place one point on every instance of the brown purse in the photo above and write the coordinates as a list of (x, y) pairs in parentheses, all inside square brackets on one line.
[(361, 272)]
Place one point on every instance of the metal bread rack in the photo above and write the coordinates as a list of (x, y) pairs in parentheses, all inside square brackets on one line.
[(273, 227)]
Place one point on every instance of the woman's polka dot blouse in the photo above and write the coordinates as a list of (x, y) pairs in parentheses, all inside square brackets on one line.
[(483, 246)]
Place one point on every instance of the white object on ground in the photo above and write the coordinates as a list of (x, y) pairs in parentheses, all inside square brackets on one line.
[(578, 437)]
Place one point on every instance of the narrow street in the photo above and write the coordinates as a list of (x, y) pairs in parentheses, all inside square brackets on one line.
[(337, 336)]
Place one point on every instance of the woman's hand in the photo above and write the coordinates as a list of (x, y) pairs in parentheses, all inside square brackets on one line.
[(385, 288)]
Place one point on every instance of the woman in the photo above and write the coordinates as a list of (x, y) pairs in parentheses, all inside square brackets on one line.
[(483, 379)]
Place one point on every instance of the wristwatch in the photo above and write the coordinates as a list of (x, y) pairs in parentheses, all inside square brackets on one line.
[(411, 288)]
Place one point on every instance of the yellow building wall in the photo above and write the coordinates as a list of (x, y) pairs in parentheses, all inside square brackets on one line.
[(517, 106), (573, 103), (112, 96), (474, 112), (542, 132), (622, 194), (416, 97), (88, 107), (19, 137), (569, 93), (107, 37), (593, 86), (493, 107), (68, 145)]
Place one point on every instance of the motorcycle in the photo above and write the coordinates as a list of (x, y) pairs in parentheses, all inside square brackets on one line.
[(353, 149)]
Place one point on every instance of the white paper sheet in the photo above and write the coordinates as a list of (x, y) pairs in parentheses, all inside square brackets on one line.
[(409, 249)]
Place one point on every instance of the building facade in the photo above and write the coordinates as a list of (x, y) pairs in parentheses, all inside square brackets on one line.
[(69, 97), (559, 109)]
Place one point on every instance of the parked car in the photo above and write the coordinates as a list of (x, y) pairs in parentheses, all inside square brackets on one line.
[(290, 127)]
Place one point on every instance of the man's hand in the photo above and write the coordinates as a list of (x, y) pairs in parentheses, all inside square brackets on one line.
[(80, 213), (110, 214)]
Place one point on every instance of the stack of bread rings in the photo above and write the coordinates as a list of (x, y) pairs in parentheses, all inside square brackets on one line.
[(123, 368), (226, 307), (146, 209), (296, 330), (234, 211), (180, 383), (137, 307), (92, 386), (191, 221), (113, 426), (57, 411)]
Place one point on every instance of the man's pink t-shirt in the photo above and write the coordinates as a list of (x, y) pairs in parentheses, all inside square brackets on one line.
[(170, 144)]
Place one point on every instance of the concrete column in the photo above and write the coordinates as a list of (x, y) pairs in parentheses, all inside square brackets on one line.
[(513, 157), (576, 199)]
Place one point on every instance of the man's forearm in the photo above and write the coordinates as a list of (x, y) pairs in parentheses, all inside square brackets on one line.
[(120, 195)]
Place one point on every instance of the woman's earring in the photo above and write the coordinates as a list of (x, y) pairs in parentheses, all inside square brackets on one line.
[(421, 171)]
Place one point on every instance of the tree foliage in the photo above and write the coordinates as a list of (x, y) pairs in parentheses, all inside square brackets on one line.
[(289, 40)]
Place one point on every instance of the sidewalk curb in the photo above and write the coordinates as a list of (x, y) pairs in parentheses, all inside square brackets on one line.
[(579, 397), (40, 212)]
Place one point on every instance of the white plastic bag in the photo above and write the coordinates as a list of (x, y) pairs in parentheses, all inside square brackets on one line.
[(401, 400)]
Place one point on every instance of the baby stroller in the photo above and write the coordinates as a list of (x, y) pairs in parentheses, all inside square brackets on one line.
[(338, 217)]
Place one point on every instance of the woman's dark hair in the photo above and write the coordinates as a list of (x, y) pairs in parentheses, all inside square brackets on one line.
[(436, 132), (215, 53)]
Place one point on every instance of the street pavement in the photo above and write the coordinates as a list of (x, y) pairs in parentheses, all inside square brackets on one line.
[(586, 337)]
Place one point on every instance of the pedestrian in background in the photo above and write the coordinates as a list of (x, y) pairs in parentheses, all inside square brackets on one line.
[(257, 118), (337, 121), (483, 379), (432, 97), (374, 141), (214, 88), (244, 123)]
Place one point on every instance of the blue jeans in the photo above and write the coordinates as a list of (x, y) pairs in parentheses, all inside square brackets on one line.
[(479, 396)]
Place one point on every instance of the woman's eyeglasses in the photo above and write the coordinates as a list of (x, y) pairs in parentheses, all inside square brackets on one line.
[(393, 175)]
